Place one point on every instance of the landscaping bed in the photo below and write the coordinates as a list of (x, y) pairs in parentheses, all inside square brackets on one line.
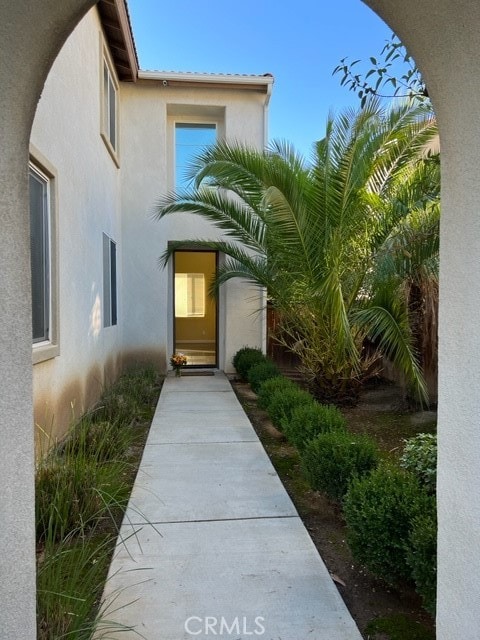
[(381, 612)]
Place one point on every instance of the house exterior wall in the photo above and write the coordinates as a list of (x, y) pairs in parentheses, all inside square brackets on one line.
[(66, 138), (98, 194), (148, 116)]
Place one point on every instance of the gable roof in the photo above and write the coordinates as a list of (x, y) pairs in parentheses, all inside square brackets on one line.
[(116, 24)]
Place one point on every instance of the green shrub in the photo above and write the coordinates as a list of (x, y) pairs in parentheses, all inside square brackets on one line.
[(331, 460), (420, 457), (309, 420), (270, 387), (261, 372), (247, 360), (241, 352), (379, 510), (422, 553), (283, 402)]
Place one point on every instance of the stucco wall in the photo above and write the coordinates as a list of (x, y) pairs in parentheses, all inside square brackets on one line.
[(66, 131), (149, 111)]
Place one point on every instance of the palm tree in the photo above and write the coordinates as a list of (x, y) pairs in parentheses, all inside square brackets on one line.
[(309, 234)]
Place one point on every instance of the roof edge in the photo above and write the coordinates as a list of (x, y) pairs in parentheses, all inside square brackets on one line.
[(175, 77)]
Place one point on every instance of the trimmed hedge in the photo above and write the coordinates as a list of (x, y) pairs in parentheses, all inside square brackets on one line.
[(284, 401), (379, 511), (309, 420), (261, 372), (422, 554), (245, 359), (270, 387), (331, 460)]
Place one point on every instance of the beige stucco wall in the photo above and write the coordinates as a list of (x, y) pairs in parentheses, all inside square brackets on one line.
[(66, 132), (149, 111)]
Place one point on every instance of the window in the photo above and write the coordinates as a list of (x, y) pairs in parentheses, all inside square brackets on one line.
[(190, 140), (40, 247), (189, 295), (109, 282), (109, 109)]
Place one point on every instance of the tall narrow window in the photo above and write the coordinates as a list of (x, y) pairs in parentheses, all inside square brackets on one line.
[(190, 140), (109, 108), (40, 254), (189, 295), (109, 282)]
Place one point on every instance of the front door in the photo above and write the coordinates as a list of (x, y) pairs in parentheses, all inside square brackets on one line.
[(195, 311)]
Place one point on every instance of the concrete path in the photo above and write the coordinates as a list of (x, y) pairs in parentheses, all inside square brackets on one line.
[(211, 545)]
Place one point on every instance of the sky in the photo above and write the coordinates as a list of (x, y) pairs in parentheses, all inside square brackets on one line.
[(300, 42)]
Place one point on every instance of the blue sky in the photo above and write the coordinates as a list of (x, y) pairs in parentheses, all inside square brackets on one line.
[(299, 42)]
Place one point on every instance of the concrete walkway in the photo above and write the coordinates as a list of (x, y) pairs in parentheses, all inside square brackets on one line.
[(211, 545)]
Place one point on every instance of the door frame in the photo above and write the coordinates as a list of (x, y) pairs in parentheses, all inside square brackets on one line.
[(217, 304)]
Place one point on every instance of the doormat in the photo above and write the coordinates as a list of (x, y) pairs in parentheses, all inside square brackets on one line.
[(197, 373)]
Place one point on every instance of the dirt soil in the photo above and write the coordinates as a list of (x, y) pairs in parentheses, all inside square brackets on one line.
[(371, 602)]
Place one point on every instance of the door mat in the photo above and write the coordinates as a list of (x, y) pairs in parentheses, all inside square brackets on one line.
[(198, 373)]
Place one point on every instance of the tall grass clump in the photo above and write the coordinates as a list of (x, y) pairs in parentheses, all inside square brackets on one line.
[(82, 491)]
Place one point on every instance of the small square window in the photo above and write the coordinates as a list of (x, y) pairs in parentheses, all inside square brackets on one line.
[(109, 282)]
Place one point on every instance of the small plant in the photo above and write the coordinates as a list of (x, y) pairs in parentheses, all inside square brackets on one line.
[(261, 372), (270, 387), (246, 360), (309, 420), (331, 460), (420, 457), (241, 352), (284, 401), (422, 553), (379, 511)]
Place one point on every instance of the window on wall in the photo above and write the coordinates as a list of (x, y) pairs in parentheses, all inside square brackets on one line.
[(190, 140), (40, 246), (189, 295), (109, 282), (109, 108)]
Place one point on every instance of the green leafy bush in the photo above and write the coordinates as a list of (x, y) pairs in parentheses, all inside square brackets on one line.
[(283, 402), (331, 460), (420, 457), (261, 372), (422, 553), (379, 510), (246, 360), (270, 387), (309, 420)]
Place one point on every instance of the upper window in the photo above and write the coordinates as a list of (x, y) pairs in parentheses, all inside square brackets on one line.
[(40, 245), (109, 282), (190, 140), (109, 108)]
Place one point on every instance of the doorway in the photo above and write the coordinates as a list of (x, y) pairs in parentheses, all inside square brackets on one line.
[(195, 328)]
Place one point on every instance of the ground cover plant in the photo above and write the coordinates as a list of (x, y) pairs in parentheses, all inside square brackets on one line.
[(82, 490)]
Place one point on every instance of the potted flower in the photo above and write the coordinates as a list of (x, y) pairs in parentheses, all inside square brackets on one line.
[(178, 360)]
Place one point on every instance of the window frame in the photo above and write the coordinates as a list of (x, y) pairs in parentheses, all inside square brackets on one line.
[(109, 83), (109, 280), (48, 347), (185, 123)]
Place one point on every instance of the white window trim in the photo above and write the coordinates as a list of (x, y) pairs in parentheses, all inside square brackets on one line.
[(48, 349), (107, 62), (192, 114)]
